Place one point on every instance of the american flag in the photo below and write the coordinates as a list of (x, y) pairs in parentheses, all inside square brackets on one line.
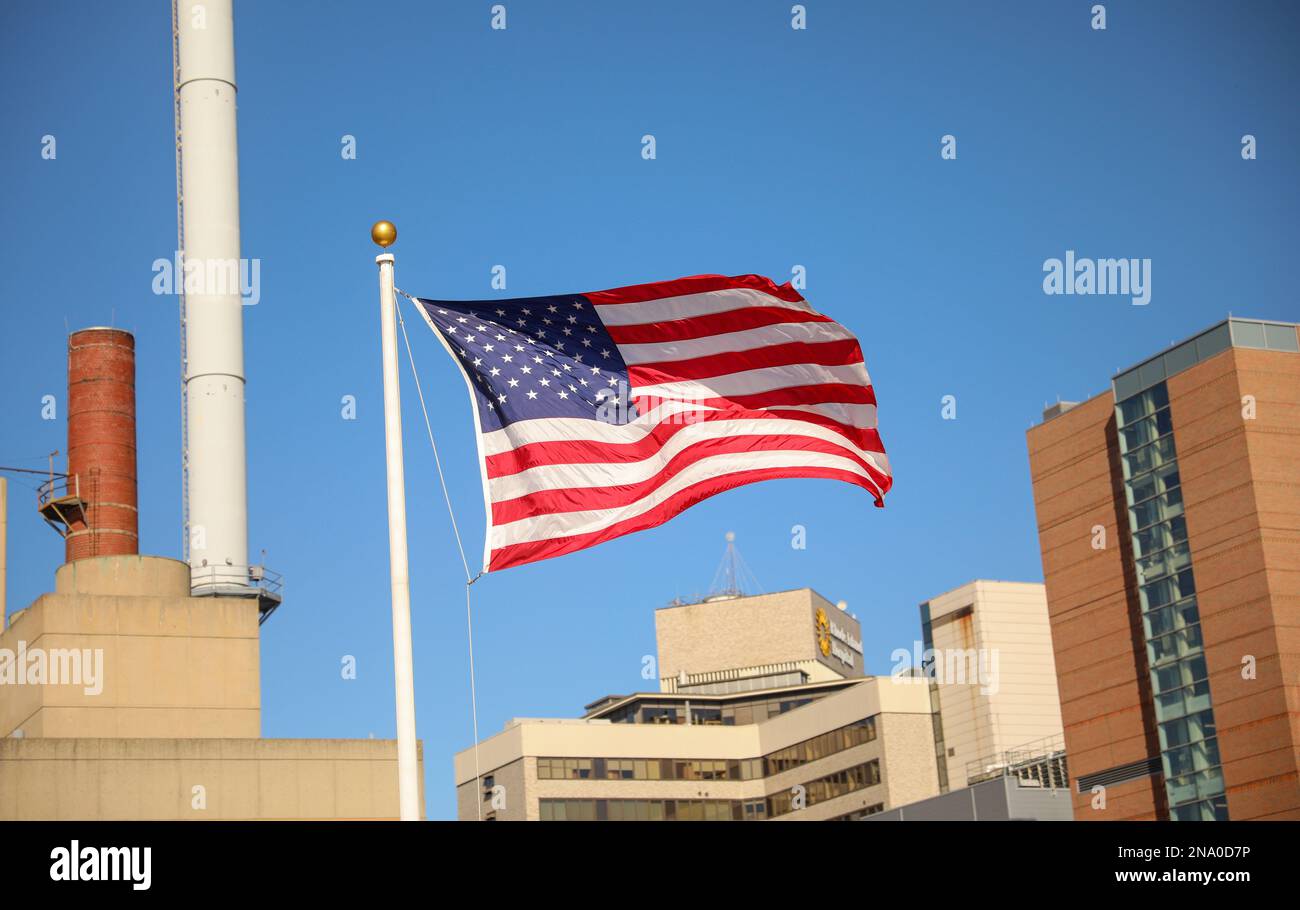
[(610, 412)]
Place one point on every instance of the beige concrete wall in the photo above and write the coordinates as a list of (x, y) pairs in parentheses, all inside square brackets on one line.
[(1016, 703), (130, 576), (748, 632), (518, 799), (907, 767), (154, 779), (172, 665)]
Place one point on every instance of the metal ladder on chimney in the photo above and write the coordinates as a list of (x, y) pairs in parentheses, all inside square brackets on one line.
[(179, 285)]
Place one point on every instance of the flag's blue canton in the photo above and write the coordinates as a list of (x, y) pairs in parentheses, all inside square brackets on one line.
[(532, 357)]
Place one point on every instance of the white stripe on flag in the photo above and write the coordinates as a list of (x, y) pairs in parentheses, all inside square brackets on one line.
[(765, 379), (568, 524), (610, 474), (732, 342), (667, 309)]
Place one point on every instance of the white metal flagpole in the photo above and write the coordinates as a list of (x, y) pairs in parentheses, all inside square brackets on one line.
[(408, 768)]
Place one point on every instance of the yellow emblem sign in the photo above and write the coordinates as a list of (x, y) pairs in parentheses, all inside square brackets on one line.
[(823, 626)]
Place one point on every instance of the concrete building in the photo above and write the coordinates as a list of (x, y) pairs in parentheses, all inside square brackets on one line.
[(1169, 520), (763, 712), (125, 696), (992, 677)]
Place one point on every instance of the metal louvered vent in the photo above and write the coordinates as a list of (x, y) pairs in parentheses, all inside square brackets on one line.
[(1146, 767)]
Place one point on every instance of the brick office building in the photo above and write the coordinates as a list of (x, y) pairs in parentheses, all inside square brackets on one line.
[(1169, 520)]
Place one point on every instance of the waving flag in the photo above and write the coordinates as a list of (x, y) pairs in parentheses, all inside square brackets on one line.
[(605, 413)]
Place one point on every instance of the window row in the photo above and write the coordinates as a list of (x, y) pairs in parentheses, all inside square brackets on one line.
[(1176, 645), (1149, 541), (1191, 759), (1157, 509), (1166, 562), (824, 788), (1214, 809), (1179, 674), (1174, 617), (854, 734), (648, 769), (1167, 591), (1149, 457), (1148, 429), (860, 813), (1154, 482), (1134, 409), (1181, 702), (1203, 785), (640, 810), (821, 746), (1192, 728)]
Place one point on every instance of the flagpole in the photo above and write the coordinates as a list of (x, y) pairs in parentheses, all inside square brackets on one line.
[(408, 769)]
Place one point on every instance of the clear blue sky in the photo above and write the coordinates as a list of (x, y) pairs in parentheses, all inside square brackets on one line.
[(775, 147)]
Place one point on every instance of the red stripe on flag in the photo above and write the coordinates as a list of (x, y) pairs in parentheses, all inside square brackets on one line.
[(695, 284), (583, 499), (585, 451), (843, 352), (754, 317), (820, 393), (520, 553)]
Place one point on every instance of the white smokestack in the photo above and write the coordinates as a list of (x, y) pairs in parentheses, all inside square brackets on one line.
[(214, 331)]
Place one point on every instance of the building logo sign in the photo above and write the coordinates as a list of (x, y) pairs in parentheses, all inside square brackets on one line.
[(835, 641), (822, 626)]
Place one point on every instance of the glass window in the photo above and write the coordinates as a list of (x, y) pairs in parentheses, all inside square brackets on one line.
[(1175, 645), (1180, 358), (1140, 406), (1157, 537), (1166, 562), (1191, 758), (1177, 675), (1151, 372), (1212, 342), (1167, 619), (1154, 483), (706, 716), (1147, 429), (1139, 461), (1167, 590), (1205, 787), (1181, 702), (1248, 334), (1189, 729), (1126, 384), (1162, 507), (1281, 337)]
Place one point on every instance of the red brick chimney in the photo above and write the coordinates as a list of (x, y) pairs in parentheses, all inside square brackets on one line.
[(101, 443)]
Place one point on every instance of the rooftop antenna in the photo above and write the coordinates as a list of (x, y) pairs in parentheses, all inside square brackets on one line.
[(733, 576)]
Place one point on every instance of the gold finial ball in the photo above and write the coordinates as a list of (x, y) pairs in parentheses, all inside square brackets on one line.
[(383, 233)]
